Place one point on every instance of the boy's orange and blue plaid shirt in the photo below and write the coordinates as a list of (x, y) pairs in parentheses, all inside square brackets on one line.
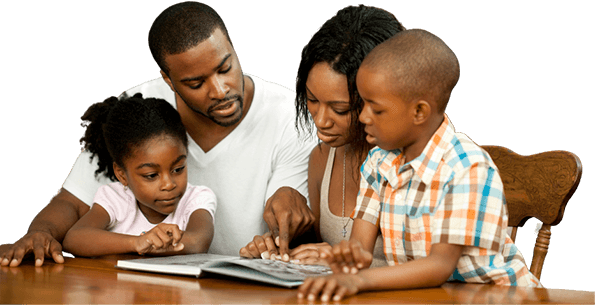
[(452, 193)]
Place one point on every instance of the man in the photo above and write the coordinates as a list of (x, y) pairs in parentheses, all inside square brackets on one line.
[(242, 142)]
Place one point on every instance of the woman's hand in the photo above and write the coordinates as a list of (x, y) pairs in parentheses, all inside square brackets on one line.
[(309, 254), (164, 237), (261, 246)]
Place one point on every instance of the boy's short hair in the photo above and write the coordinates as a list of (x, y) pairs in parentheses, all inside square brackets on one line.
[(181, 27), (420, 65)]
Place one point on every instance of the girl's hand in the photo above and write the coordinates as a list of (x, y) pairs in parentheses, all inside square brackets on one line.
[(348, 257), (164, 237), (261, 246), (309, 254)]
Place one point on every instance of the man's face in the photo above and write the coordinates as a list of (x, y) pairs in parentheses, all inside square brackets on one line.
[(209, 79)]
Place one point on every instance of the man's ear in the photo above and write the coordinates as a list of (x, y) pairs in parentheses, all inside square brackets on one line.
[(422, 111), (120, 174), (167, 80)]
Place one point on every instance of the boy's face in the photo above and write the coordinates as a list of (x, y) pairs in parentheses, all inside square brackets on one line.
[(388, 119)]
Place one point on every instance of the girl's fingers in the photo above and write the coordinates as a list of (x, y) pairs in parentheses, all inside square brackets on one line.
[(157, 238), (176, 234)]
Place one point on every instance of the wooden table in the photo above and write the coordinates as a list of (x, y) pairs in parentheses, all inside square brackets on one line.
[(81, 280)]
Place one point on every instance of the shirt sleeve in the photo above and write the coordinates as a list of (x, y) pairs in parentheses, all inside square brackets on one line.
[(200, 197), (114, 200), (82, 182), (473, 211), (368, 202), (290, 166)]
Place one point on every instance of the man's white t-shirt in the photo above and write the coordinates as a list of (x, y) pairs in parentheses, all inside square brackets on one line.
[(262, 154)]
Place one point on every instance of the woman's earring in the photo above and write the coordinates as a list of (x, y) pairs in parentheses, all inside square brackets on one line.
[(125, 188)]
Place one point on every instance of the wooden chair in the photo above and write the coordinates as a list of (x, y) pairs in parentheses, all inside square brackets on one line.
[(537, 186)]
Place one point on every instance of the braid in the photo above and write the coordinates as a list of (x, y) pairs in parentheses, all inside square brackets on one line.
[(94, 140), (116, 128)]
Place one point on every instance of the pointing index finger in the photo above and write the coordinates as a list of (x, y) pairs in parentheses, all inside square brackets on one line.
[(282, 240)]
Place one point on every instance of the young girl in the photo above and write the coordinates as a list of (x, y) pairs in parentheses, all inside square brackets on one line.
[(142, 144)]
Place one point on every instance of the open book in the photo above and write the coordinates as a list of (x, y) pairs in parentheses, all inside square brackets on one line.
[(267, 271)]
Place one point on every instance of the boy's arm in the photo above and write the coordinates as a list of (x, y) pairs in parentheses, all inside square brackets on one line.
[(364, 232), (350, 256), (430, 271), (356, 254)]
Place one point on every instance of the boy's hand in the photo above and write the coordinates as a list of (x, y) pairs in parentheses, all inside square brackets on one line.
[(164, 237), (348, 257), (261, 246), (336, 286)]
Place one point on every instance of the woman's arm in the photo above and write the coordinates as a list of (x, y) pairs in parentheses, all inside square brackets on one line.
[(316, 167)]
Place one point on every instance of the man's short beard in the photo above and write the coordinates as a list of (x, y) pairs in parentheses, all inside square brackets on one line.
[(237, 97), (215, 120)]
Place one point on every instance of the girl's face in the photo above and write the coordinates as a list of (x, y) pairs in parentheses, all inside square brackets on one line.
[(328, 103), (156, 174)]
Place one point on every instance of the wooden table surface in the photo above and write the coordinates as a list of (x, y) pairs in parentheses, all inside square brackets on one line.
[(81, 280)]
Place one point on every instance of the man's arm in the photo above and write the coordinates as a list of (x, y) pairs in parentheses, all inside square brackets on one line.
[(46, 232), (287, 215), (287, 211)]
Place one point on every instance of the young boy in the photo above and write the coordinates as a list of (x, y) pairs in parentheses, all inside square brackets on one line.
[(436, 196)]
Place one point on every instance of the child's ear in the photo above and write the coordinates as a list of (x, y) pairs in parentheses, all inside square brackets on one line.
[(422, 111), (120, 174)]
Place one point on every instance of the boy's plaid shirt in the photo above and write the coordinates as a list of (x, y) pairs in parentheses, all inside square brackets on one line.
[(452, 193)]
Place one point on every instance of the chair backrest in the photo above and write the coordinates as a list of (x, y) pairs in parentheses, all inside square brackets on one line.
[(537, 186)]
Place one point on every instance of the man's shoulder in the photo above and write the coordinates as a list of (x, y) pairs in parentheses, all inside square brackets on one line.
[(156, 88), (271, 92), (274, 102)]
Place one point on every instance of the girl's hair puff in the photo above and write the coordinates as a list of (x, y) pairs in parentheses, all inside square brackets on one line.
[(115, 128)]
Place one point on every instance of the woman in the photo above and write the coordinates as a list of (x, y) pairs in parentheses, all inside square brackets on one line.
[(327, 99)]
